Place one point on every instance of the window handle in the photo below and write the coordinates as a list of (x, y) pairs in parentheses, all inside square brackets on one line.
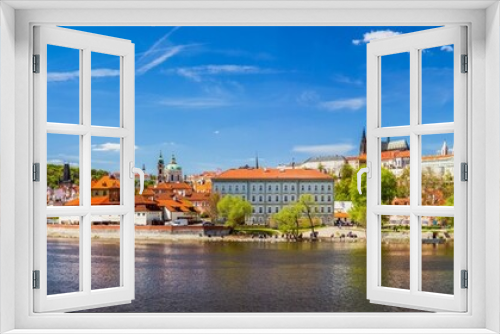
[(134, 170), (368, 171)]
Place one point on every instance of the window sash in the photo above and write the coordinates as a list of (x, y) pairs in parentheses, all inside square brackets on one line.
[(413, 43), (87, 43)]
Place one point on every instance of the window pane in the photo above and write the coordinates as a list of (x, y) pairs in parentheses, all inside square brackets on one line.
[(437, 254), (105, 90), (63, 85), (437, 84), (395, 170), (105, 172), (395, 263), (63, 170), (63, 255), (437, 169), (105, 251), (395, 89)]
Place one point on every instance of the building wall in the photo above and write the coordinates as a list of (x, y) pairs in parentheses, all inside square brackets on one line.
[(269, 197), (146, 217)]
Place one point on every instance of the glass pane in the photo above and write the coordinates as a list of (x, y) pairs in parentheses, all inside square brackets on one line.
[(395, 263), (437, 254), (395, 89), (437, 84), (437, 169), (63, 255), (63, 85), (395, 170), (105, 171), (105, 251), (105, 90), (63, 170)]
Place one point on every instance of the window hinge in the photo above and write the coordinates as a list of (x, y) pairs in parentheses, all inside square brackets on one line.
[(36, 172), (36, 279), (464, 173), (465, 64), (36, 63), (465, 279)]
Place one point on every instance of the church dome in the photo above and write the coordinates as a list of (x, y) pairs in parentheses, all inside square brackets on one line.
[(173, 165)]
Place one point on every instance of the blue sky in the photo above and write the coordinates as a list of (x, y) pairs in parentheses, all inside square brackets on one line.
[(214, 96)]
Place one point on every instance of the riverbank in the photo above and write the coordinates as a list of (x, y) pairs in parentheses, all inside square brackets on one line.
[(153, 234)]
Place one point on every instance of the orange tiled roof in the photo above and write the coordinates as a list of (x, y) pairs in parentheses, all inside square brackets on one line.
[(198, 197), (98, 200), (436, 157), (144, 208), (148, 192), (142, 200), (164, 196), (177, 206), (272, 174), (106, 182)]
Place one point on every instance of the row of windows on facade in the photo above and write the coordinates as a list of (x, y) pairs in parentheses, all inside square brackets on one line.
[(317, 198), (316, 209), (269, 188)]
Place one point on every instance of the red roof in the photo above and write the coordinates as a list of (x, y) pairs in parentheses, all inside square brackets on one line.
[(105, 182), (272, 174), (98, 200), (177, 206)]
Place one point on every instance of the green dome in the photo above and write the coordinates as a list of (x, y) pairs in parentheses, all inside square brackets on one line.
[(173, 167)]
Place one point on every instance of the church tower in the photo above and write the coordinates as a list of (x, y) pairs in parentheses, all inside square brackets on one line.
[(66, 179), (161, 169), (173, 171), (444, 149), (362, 144)]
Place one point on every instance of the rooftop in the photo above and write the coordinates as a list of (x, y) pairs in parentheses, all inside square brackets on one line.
[(272, 174)]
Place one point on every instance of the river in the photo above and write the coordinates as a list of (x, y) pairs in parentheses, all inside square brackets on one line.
[(247, 276)]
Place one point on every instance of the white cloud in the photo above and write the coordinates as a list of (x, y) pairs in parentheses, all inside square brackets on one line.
[(73, 75), (216, 132), (107, 147), (344, 104), (195, 103), (375, 34), (308, 97), (152, 63), (447, 48), (346, 80), (196, 73), (158, 44), (324, 149)]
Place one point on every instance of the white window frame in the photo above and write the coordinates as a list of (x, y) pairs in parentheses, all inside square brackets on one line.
[(413, 44), (85, 43), (483, 21)]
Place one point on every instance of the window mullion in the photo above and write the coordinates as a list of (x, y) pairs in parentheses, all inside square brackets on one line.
[(414, 169), (85, 172)]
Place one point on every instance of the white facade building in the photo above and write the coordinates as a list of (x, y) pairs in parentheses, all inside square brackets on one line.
[(269, 190)]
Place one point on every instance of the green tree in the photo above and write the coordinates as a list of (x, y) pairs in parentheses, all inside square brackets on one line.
[(343, 184), (234, 209), (288, 219), (307, 206), (98, 173), (321, 168), (213, 200), (403, 182), (388, 190)]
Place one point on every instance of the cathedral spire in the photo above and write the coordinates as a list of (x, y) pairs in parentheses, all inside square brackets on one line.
[(362, 144), (256, 160)]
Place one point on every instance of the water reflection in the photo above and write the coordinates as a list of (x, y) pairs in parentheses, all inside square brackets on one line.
[(252, 277)]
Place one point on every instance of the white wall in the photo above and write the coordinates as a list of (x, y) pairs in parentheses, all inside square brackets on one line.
[(492, 164), (7, 158)]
